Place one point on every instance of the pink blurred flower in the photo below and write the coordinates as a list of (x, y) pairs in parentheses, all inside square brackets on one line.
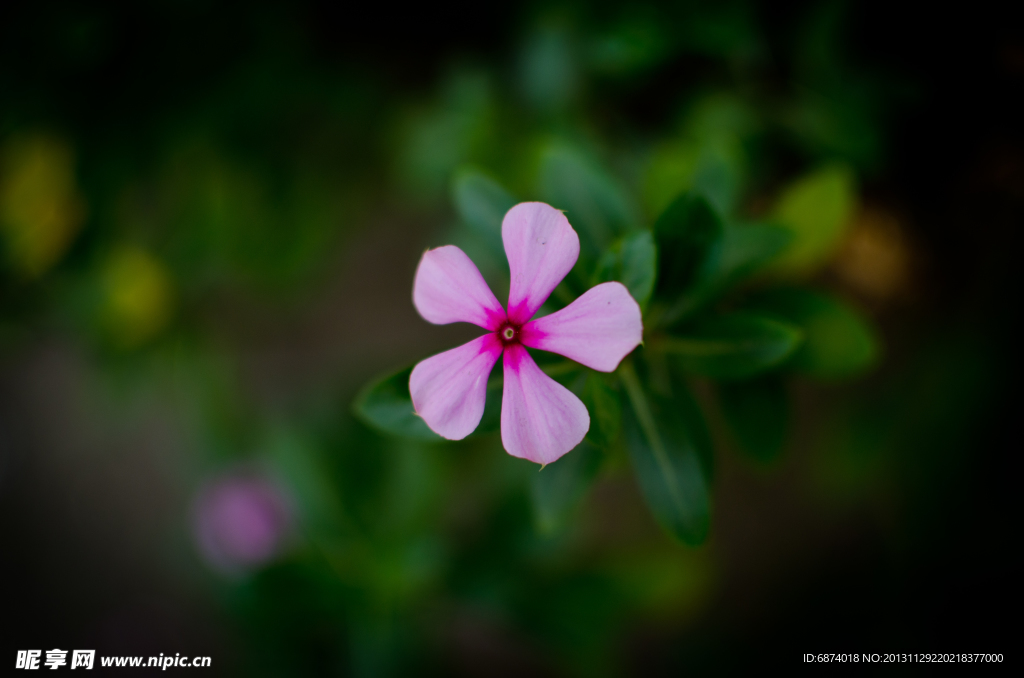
[(540, 419), (241, 522)]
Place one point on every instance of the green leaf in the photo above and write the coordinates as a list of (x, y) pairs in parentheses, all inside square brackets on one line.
[(741, 251), (559, 488), (757, 413), (482, 203), (838, 341), (385, 404), (685, 234), (633, 262), (602, 402), (816, 209), (735, 346), (666, 440), (592, 200)]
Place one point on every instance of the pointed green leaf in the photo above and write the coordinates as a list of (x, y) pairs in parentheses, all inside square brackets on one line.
[(559, 488), (734, 346), (838, 341), (633, 262), (666, 442), (685, 234), (385, 404), (742, 250), (739, 252), (757, 413)]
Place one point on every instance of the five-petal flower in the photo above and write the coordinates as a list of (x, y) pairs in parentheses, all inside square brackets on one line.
[(540, 419)]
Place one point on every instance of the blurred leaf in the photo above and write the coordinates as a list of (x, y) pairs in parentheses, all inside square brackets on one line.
[(838, 342), (592, 200), (549, 74), (718, 116), (719, 174), (602, 402), (439, 138), (734, 346), (41, 208), (720, 29), (757, 413), (836, 113), (629, 47), (559, 488), (672, 167), (719, 123), (838, 120), (482, 203), (741, 251), (816, 209), (667, 582), (633, 262), (232, 219), (664, 443), (685, 234), (385, 404), (709, 158)]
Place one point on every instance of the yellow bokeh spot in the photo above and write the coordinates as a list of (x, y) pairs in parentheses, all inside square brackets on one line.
[(41, 209), (875, 257), (138, 296)]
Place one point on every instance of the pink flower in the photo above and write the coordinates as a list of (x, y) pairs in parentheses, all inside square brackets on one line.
[(540, 419), (241, 522)]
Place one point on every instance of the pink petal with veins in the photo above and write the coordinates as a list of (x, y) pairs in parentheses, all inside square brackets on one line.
[(542, 248), (449, 389), (540, 419), (598, 330), (449, 288)]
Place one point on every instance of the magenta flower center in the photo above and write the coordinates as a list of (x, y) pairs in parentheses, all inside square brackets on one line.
[(508, 333)]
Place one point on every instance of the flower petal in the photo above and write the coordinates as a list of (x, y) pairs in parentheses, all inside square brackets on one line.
[(597, 330), (540, 419), (449, 289), (542, 248), (449, 389)]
